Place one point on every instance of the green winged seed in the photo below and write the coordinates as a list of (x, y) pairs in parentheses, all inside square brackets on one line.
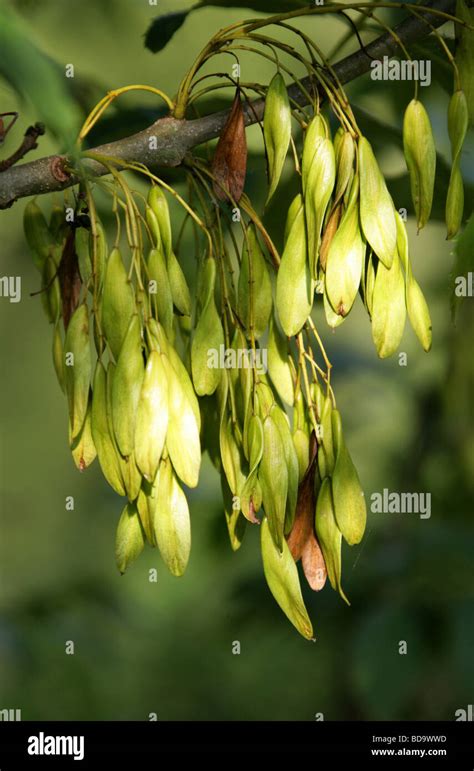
[(118, 303), (77, 367), (319, 188), (345, 157), (345, 259), (50, 294), (317, 131), (388, 308), (159, 290), (152, 417), (82, 447), (129, 539), (236, 522), (232, 455), (276, 129), (208, 340), (376, 206), (255, 283), (273, 476), (98, 253), (58, 356), (106, 451), (326, 455), (171, 523), (349, 502), (178, 285), (293, 212), (417, 307), (420, 156), (38, 235), (279, 367), (81, 245), (291, 460), (143, 509), (179, 368), (182, 439), (329, 536), (458, 121), (282, 578), (159, 205), (127, 386), (152, 222), (454, 202), (294, 290), (333, 319)]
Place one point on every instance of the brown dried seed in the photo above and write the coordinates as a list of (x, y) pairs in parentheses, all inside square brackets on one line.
[(229, 165)]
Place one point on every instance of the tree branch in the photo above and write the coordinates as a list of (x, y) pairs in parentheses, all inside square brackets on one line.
[(174, 138)]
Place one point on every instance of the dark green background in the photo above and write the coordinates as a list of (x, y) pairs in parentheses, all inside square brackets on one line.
[(166, 647)]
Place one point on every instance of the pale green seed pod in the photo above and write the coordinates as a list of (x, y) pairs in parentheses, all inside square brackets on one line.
[(420, 155), (99, 243), (182, 438), (232, 454), (118, 303), (208, 339), (294, 291), (369, 282), (40, 240), (58, 356), (129, 539), (143, 509), (329, 536), (319, 188), (276, 129), (254, 281), (165, 347), (279, 367), (159, 290), (152, 417), (282, 578), (132, 478), (377, 212), (236, 522), (417, 307), (293, 212), (348, 497), (100, 426), (82, 447), (345, 156), (301, 433), (345, 259), (77, 368), (273, 476), (292, 466), (458, 121), (326, 454), (178, 285), (152, 222), (388, 308), (172, 526), (337, 141), (159, 205), (465, 54), (317, 130), (333, 319), (127, 386), (51, 295), (81, 245)]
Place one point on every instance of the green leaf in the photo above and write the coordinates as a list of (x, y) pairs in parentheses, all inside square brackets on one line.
[(162, 29), (282, 578), (36, 78)]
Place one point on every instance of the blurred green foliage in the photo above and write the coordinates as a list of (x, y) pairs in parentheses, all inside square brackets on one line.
[(166, 647)]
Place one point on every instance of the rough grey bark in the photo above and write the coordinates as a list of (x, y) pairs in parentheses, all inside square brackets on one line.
[(175, 138)]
